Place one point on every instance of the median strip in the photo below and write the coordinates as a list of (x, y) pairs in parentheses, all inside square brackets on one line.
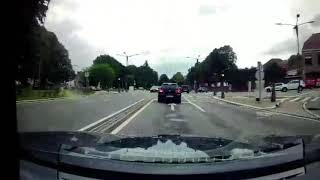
[(115, 131), (98, 122)]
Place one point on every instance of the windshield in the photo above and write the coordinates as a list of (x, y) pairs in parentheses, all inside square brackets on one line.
[(116, 67)]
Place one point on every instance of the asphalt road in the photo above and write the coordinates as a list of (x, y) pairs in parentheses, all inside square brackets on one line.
[(72, 114), (197, 115), (201, 115)]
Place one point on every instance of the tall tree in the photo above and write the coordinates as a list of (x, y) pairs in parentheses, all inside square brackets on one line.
[(295, 62), (220, 61), (55, 65), (114, 64), (178, 78), (146, 76), (163, 78), (274, 73), (33, 13), (102, 73)]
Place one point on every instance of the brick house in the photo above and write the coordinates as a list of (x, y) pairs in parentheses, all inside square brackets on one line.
[(311, 57)]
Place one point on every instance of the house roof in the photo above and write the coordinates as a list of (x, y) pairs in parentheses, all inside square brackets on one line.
[(313, 42), (280, 62)]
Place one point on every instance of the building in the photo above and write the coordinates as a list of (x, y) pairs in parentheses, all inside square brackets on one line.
[(311, 57)]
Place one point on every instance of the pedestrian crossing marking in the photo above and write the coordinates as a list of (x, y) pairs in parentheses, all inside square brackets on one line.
[(316, 98), (293, 100), (305, 99)]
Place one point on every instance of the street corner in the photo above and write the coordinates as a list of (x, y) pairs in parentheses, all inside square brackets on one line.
[(313, 107), (249, 102)]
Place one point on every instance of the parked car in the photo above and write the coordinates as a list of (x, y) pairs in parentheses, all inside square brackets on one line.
[(291, 85), (294, 84), (169, 91), (154, 89), (203, 89), (278, 87), (185, 88), (140, 88)]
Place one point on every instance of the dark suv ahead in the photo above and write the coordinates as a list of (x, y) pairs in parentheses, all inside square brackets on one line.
[(185, 88), (169, 91)]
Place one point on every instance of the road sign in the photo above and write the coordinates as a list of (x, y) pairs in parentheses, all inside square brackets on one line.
[(257, 75), (86, 74)]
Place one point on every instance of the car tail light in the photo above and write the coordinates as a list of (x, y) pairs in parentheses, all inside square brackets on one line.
[(178, 90), (160, 90)]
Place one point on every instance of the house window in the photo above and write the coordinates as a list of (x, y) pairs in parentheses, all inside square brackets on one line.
[(308, 60)]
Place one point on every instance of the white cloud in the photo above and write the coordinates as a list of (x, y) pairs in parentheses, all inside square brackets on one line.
[(171, 30)]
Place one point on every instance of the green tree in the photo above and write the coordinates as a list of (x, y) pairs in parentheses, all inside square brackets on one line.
[(274, 73), (102, 73), (146, 76), (163, 78), (55, 65), (114, 64), (295, 62), (27, 56), (130, 74), (178, 78), (220, 61)]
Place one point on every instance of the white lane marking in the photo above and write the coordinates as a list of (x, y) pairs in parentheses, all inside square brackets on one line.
[(198, 107), (306, 99), (172, 106), (316, 98), (295, 99), (177, 120), (115, 131), (109, 116), (263, 115)]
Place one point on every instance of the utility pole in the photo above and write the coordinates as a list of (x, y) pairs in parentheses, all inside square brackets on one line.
[(296, 28), (222, 85)]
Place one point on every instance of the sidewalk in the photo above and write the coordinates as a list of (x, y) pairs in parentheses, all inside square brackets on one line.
[(313, 107), (282, 105), (279, 94)]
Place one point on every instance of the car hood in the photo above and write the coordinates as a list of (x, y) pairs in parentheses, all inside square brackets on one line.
[(161, 148)]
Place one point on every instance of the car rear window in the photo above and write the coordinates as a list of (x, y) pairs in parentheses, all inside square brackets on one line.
[(169, 85)]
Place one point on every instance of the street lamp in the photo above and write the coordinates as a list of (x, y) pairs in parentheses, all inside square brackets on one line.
[(195, 58), (127, 56), (222, 86), (296, 28), (86, 75)]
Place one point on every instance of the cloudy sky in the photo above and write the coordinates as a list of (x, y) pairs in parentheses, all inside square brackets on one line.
[(170, 30)]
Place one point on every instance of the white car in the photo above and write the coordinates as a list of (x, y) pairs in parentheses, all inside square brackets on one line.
[(278, 87), (293, 84)]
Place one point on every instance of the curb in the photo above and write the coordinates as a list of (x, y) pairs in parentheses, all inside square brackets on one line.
[(316, 117), (246, 105), (308, 111)]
